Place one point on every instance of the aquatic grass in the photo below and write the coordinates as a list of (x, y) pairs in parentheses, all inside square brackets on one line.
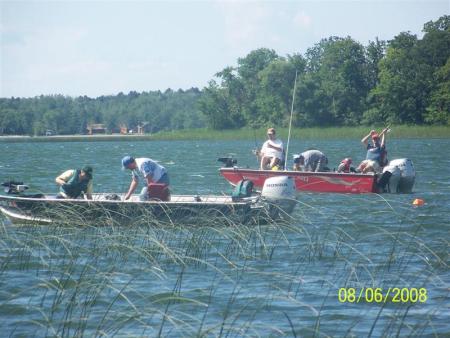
[(93, 276), (356, 132)]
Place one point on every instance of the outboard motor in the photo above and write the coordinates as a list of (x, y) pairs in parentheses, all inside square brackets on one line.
[(408, 174), (280, 190), (390, 179), (228, 162), (13, 187), (403, 175), (18, 188)]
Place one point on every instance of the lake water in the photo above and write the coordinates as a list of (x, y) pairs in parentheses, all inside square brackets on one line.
[(274, 280)]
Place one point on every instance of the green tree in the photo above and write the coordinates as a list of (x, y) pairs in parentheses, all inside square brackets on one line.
[(438, 111), (375, 52), (408, 76), (11, 123), (336, 83), (214, 105), (274, 98)]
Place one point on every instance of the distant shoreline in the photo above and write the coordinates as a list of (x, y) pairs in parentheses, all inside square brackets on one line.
[(401, 131), (75, 138)]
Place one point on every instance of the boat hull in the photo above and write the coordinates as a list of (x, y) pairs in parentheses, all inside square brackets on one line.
[(308, 181), (192, 210)]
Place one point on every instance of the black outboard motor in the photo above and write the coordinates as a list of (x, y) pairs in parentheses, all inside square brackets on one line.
[(228, 162), (14, 187), (18, 188), (383, 182)]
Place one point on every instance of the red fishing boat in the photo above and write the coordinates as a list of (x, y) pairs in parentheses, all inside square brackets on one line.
[(353, 183), (397, 177)]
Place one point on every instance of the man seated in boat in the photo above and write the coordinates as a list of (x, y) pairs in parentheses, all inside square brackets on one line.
[(376, 151), (271, 153), (75, 182), (369, 166), (311, 160), (345, 166), (151, 171)]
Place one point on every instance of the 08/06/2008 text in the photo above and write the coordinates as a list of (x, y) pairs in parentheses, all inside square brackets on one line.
[(379, 295)]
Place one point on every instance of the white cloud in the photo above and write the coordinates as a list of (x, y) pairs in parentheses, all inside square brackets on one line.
[(244, 22), (302, 20)]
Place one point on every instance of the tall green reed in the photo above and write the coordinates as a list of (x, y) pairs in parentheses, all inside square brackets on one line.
[(221, 279)]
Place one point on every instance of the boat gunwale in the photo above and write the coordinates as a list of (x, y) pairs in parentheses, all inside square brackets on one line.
[(298, 173), (240, 202)]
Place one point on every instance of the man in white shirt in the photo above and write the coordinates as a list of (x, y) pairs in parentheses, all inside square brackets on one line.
[(149, 169), (271, 153)]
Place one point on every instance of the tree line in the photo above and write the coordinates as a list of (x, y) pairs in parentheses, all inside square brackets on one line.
[(340, 82), (65, 115)]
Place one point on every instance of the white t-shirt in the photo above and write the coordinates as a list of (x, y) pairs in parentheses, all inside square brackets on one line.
[(146, 167), (270, 152)]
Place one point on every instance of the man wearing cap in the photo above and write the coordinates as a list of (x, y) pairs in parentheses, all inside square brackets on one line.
[(271, 153), (377, 150), (147, 168), (311, 160), (345, 166), (75, 182)]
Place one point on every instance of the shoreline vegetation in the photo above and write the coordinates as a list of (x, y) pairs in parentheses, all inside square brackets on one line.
[(341, 83), (401, 131)]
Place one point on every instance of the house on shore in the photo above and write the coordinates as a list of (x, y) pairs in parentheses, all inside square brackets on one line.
[(96, 128)]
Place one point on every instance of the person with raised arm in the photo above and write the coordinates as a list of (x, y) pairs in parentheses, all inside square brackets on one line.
[(376, 151)]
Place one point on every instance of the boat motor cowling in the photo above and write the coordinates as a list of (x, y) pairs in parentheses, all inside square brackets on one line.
[(280, 190), (403, 175)]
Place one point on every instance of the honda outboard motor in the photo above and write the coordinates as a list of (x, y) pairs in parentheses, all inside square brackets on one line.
[(280, 190), (403, 175)]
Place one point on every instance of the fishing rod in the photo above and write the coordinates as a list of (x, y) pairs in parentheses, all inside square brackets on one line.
[(254, 136), (290, 123), (256, 151)]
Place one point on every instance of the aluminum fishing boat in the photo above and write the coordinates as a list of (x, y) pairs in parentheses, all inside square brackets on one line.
[(276, 201)]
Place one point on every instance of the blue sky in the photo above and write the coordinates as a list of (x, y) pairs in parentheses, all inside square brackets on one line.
[(98, 48)]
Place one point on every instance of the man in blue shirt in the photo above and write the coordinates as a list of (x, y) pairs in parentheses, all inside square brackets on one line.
[(377, 150)]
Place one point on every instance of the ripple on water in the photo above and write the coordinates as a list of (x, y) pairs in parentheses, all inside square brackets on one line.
[(255, 278)]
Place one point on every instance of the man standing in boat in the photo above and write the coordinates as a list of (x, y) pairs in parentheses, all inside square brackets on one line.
[(271, 153), (75, 182), (150, 170)]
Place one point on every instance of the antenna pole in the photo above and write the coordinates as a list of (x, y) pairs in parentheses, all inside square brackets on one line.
[(290, 122)]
